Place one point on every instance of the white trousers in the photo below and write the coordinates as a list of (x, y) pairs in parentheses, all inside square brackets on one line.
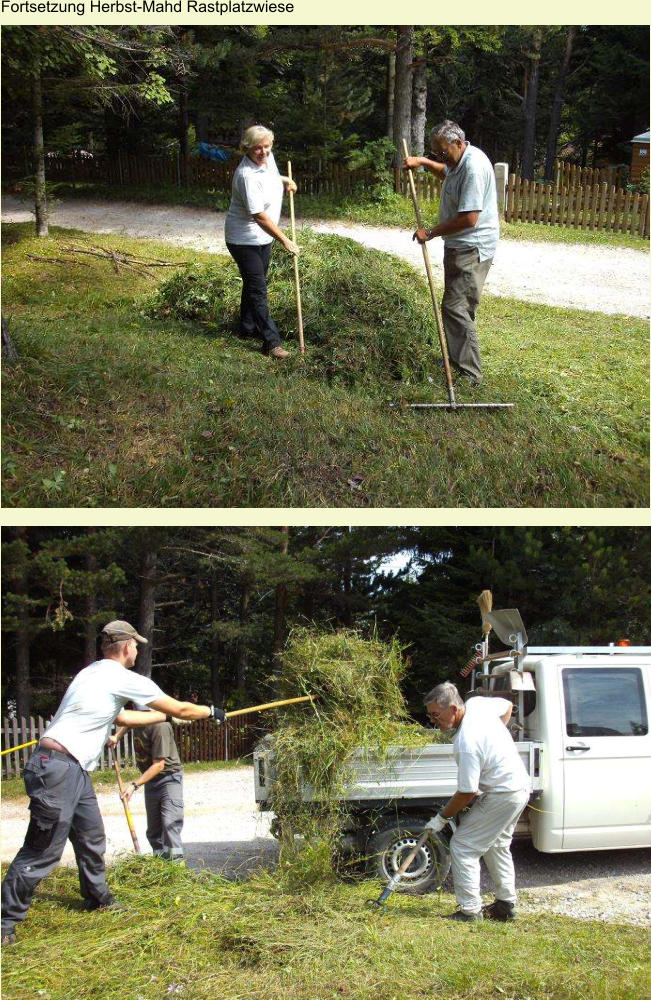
[(486, 832)]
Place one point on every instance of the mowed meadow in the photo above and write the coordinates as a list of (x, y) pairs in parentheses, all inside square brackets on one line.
[(131, 388)]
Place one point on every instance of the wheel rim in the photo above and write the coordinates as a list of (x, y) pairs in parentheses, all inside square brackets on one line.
[(420, 868)]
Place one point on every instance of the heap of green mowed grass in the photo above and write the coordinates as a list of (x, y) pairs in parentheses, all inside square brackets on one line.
[(199, 936), (367, 314), (358, 708), (107, 407)]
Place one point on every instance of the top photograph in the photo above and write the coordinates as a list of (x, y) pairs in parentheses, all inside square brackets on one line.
[(346, 266)]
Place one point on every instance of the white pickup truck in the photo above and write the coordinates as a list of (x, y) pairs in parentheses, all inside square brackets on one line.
[(582, 728)]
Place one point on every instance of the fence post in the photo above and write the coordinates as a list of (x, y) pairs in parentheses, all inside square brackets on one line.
[(501, 179)]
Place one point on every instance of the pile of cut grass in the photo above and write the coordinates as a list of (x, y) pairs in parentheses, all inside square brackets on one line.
[(197, 936), (358, 707), (368, 313)]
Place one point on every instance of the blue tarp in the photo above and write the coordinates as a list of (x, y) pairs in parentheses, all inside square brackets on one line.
[(215, 153)]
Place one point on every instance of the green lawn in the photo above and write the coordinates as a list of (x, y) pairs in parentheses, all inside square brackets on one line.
[(108, 407), (198, 936)]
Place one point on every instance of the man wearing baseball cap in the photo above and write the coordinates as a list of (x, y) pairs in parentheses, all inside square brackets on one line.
[(62, 798)]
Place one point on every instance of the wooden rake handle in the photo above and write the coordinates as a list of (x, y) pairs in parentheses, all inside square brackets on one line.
[(127, 811), (430, 279), (297, 283)]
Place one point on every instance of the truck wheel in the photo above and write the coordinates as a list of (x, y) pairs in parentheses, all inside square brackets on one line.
[(387, 849)]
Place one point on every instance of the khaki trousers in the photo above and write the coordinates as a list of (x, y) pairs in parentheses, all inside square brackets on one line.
[(465, 275)]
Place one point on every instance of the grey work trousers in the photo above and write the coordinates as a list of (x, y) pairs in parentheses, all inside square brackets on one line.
[(164, 805), (465, 275), (62, 805)]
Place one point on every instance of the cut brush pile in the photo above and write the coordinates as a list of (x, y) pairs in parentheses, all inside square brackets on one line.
[(358, 706), (367, 315)]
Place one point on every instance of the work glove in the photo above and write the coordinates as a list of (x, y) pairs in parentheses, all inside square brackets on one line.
[(217, 715), (436, 823)]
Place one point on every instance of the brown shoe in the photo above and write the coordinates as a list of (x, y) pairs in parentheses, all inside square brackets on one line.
[(278, 352)]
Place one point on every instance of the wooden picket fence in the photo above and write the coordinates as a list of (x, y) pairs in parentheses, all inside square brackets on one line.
[(600, 206), (571, 176), (199, 741), (582, 198)]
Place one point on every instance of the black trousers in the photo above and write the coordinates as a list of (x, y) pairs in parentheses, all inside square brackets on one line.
[(253, 264), (63, 806)]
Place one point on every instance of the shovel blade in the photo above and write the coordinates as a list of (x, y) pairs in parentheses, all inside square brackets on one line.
[(507, 623)]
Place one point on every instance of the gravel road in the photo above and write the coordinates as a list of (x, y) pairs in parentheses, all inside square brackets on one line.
[(592, 278), (225, 833)]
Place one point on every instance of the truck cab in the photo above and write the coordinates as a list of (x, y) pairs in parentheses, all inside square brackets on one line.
[(590, 711)]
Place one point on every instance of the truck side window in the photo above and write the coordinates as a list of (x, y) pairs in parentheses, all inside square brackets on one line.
[(604, 702)]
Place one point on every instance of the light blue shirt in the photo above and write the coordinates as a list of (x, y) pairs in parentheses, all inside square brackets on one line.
[(470, 187)]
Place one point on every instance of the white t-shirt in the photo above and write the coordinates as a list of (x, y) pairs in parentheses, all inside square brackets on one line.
[(254, 189), (90, 705), (486, 756)]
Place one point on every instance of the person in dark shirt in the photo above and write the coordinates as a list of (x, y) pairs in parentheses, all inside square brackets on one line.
[(159, 763)]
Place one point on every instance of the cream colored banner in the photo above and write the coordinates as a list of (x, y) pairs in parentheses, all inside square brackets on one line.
[(299, 12)]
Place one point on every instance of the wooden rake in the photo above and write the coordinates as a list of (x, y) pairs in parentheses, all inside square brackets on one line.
[(445, 353), (297, 283)]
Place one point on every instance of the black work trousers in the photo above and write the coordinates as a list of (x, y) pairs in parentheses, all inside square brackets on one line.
[(253, 264), (62, 805)]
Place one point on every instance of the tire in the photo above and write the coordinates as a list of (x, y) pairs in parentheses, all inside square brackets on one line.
[(387, 849)]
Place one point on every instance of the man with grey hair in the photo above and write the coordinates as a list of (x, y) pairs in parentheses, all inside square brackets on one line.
[(62, 798), (491, 772), (469, 226)]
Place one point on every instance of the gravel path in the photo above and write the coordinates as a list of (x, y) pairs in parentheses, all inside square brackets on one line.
[(225, 833), (592, 278)]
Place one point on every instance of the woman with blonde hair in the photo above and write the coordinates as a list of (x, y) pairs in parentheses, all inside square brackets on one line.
[(251, 227)]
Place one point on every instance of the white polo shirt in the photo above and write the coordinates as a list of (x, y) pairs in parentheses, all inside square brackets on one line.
[(486, 756), (90, 705), (254, 189)]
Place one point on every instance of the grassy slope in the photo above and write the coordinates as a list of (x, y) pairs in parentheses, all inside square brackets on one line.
[(198, 936), (107, 407)]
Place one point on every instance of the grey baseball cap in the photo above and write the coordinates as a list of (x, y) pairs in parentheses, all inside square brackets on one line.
[(118, 631)]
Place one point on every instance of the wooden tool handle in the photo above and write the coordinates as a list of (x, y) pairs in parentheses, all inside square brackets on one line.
[(297, 283), (127, 811), (430, 280)]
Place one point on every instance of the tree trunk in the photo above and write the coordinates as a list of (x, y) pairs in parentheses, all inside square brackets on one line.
[(90, 632), (529, 144), (419, 109), (280, 611), (391, 87), (40, 197), (147, 611), (402, 100), (184, 146), (557, 105), (216, 646), (21, 587), (242, 648)]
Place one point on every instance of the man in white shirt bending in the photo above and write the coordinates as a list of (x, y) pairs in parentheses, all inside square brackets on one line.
[(489, 770), (62, 798)]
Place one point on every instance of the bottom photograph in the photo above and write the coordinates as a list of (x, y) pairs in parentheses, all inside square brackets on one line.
[(293, 762)]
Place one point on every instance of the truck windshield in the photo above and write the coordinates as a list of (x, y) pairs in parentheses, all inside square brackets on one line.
[(604, 701)]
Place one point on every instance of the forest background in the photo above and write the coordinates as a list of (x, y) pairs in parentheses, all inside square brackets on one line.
[(524, 93), (217, 604)]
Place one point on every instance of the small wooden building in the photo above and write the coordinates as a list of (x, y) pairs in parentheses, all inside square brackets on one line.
[(640, 157)]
